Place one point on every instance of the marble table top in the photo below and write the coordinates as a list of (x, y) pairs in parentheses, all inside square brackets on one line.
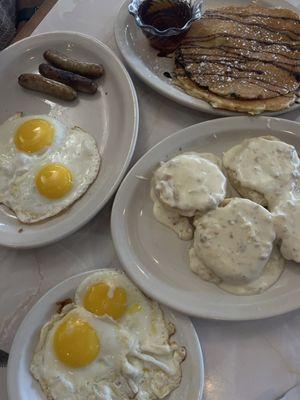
[(256, 360)]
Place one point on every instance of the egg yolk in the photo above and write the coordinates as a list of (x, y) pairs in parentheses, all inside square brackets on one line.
[(100, 300), (76, 343), (34, 135), (54, 181)]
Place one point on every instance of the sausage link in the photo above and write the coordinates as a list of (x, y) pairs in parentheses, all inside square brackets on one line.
[(41, 84), (77, 82), (59, 60)]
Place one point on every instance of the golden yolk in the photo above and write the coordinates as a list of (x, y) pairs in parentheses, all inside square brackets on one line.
[(76, 343), (54, 181), (34, 135), (98, 301)]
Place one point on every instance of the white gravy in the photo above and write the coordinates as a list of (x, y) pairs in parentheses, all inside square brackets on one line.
[(286, 216), (189, 183), (270, 167), (233, 245), (172, 219)]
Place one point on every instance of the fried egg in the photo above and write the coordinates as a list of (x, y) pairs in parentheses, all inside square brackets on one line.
[(45, 166), (31, 135), (23, 141), (109, 292), (81, 355)]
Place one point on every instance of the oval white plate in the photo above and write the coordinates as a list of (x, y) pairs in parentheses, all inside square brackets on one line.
[(156, 259), (143, 60), (22, 386), (110, 116)]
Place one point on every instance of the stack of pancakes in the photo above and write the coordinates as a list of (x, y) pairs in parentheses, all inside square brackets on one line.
[(243, 59)]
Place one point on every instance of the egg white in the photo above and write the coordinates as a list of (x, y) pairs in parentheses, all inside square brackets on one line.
[(13, 162), (122, 370), (100, 376), (77, 150), (148, 324), (157, 356)]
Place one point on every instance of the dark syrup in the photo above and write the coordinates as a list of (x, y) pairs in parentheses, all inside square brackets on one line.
[(166, 14), (162, 15)]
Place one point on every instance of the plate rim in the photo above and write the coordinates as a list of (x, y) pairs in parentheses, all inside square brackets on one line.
[(137, 271), (119, 32), (17, 341), (72, 35)]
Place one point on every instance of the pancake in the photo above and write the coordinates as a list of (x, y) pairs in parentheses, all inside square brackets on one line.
[(253, 107), (242, 54)]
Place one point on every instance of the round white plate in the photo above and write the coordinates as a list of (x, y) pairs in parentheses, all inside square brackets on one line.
[(143, 60), (22, 386), (111, 117), (157, 260)]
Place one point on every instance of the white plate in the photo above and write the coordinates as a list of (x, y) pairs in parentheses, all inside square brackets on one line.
[(143, 60), (22, 386), (111, 117), (156, 259)]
